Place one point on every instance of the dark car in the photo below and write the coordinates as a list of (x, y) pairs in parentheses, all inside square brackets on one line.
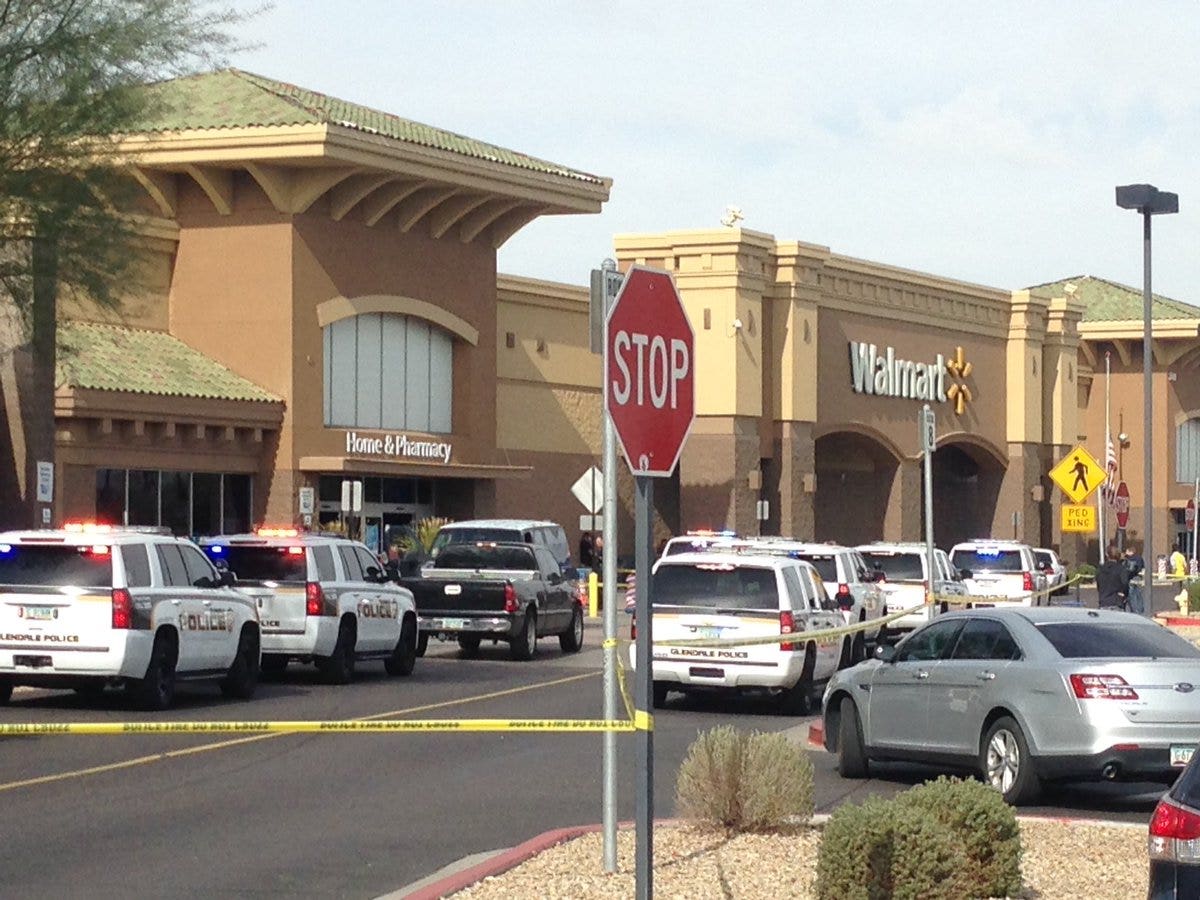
[(1174, 844)]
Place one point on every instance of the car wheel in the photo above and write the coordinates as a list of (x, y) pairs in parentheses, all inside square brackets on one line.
[(797, 700), (156, 689), (422, 643), (404, 658), (852, 755), (571, 640), (524, 646), (1006, 763), (242, 678), (659, 691), (273, 664), (338, 667), (469, 644), (6, 689)]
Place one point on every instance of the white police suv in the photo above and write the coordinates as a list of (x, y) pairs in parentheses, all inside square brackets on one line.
[(322, 598), (90, 606)]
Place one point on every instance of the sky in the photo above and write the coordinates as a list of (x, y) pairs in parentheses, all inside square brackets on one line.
[(975, 142)]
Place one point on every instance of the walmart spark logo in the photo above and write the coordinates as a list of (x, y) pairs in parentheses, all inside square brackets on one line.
[(959, 368)]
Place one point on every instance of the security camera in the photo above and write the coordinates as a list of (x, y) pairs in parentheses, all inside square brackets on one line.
[(737, 324), (1123, 437)]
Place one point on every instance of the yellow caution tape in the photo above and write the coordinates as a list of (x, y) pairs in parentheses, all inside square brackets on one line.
[(643, 721), (319, 727)]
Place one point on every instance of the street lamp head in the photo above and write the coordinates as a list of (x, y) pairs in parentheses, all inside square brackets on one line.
[(1146, 198)]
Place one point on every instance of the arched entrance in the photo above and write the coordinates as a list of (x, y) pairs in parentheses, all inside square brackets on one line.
[(966, 487), (855, 474)]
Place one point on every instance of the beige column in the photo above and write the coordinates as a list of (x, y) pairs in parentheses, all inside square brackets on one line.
[(903, 522)]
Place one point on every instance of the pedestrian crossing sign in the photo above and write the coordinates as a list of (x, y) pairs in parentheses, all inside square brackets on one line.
[(1078, 474)]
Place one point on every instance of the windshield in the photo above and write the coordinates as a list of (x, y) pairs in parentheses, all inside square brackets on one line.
[(988, 559), (716, 586), (262, 564), (825, 564), (23, 565), (487, 557), (898, 566), (1113, 640)]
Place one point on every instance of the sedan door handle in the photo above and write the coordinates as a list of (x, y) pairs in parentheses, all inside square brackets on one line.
[(922, 675), (177, 602), (986, 676)]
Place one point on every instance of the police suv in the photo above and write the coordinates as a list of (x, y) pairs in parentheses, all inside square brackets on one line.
[(89, 606), (322, 598), (718, 595)]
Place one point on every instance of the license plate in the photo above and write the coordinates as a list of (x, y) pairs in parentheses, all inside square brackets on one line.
[(454, 624), (1180, 755), (31, 662), (38, 613), (708, 632)]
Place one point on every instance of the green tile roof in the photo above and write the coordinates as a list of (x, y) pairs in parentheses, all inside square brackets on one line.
[(1107, 301), (231, 98), (116, 358)]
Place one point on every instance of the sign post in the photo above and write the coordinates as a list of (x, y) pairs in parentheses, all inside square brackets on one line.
[(649, 382), (1191, 518), (928, 444)]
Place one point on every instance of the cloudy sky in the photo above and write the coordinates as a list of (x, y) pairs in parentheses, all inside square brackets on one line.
[(978, 142)]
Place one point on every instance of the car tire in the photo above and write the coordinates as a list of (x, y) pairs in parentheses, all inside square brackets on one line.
[(6, 689), (852, 754), (469, 644), (273, 664), (241, 680), (404, 658), (155, 690), (338, 667), (797, 700), (1006, 764), (659, 693), (422, 643), (571, 640), (524, 645)]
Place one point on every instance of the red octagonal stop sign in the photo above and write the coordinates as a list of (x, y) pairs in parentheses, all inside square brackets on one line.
[(649, 371), (1121, 504)]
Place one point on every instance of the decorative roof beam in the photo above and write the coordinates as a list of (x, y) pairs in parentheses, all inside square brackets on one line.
[(1189, 359), (276, 183), (412, 210), (1123, 351), (509, 224), (452, 212), (309, 185), (353, 191), (1089, 352), (1167, 354), (382, 201), (161, 187), (475, 224), (216, 183)]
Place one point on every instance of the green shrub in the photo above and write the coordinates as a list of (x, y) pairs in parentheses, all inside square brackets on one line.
[(986, 827), (744, 782), (1085, 572), (1193, 592), (884, 849)]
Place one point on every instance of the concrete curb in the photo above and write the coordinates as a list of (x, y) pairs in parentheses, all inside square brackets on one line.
[(816, 734)]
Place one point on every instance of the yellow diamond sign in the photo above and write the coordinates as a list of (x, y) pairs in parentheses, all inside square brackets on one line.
[(1078, 474)]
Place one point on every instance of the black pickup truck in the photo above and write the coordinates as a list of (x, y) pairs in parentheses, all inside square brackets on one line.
[(507, 592)]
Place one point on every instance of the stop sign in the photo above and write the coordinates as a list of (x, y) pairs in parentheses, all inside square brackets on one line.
[(1121, 504), (649, 372)]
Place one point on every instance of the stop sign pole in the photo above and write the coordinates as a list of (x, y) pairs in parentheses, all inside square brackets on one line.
[(649, 380)]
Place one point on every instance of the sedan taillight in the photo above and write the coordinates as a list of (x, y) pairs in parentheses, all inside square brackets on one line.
[(1102, 687), (1174, 833)]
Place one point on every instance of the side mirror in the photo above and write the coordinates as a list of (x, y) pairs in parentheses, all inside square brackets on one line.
[(555, 578), (373, 574), (885, 653), (226, 577)]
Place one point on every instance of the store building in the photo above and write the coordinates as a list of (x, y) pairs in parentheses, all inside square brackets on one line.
[(323, 307)]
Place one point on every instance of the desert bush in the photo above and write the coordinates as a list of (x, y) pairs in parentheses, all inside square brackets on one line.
[(1085, 572), (744, 782), (854, 859), (986, 827)]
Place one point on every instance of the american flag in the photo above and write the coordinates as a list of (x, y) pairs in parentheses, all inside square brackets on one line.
[(1109, 490)]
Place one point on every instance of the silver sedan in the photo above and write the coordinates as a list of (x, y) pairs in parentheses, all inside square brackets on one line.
[(1023, 696)]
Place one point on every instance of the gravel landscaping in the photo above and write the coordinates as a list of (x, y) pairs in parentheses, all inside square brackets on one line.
[(1060, 861)]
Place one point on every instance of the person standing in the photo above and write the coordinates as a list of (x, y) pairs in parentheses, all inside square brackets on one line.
[(1134, 564), (1112, 582), (1179, 568), (586, 550)]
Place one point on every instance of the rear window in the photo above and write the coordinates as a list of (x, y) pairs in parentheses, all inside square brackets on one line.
[(262, 564), (716, 586), (897, 566), (825, 565), (448, 536), (1111, 640), (487, 557), (23, 565), (1043, 558), (988, 560)]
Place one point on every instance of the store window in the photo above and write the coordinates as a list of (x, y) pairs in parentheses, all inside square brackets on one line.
[(188, 503), (1187, 452), (388, 371)]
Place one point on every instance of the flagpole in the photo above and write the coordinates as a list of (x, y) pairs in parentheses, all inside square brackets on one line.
[(1104, 494)]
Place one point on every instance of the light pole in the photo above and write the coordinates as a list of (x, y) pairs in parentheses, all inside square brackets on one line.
[(1149, 201)]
